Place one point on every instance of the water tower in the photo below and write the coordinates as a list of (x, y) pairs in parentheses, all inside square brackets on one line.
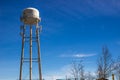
[(30, 33)]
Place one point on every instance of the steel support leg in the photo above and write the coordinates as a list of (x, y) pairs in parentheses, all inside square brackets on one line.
[(30, 52)]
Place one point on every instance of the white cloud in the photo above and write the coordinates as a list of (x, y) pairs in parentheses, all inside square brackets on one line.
[(78, 55), (58, 74), (52, 77)]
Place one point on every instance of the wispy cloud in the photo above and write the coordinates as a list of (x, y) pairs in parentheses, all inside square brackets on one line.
[(78, 55), (87, 7), (83, 55), (64, 11)]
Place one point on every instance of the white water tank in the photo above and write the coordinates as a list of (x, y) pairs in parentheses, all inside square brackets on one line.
[(30, 16)]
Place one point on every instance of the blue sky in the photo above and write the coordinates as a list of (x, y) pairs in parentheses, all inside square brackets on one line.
[(71, 29)]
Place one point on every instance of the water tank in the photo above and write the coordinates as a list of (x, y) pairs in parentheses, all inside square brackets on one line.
[(30, 16)]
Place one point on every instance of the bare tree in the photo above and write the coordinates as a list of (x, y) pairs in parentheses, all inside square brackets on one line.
[(77, 70), (74, 70), (100, 68), (117, 67), (105, 63), (81, 73)]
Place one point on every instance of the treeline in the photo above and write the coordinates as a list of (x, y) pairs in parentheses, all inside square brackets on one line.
[(106, 66)]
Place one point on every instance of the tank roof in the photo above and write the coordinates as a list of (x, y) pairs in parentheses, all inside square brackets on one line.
[(31, 8)]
